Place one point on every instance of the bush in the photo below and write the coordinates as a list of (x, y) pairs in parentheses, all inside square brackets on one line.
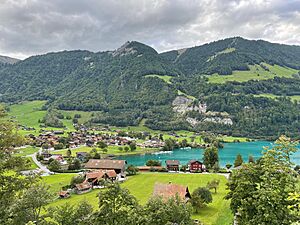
[(151, 162), (54, 166)]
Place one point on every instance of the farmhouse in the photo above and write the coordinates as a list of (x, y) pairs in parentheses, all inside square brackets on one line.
[(64, 194), (105, 164), (195, 166), (94, 177), (172, 165), (83, 188), (171, 190)]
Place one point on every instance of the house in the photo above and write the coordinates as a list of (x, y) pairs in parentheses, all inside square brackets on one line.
[(64, 194), (172, 165), (81, 155), (196, 166), (111, 174), (83, 188), (118, 166), (171, 190)]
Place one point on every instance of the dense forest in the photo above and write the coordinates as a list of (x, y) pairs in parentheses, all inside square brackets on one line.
[(115, 85)]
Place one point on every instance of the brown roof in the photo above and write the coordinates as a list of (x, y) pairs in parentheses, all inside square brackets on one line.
[(111, 173), (170, 190), (172, 162), (193, 161), (63, 193), (83, 186), (105, 164), (96, 174)]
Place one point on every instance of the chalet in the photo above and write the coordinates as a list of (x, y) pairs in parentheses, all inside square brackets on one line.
[(196, 166), (111, 174), (64, 194), (94, 177), (83, 188), (105, 164), (172, 165), (171, 190)]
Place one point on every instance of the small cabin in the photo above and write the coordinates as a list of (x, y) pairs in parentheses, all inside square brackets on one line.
[(196, 166), (172, 165), (167, 191)]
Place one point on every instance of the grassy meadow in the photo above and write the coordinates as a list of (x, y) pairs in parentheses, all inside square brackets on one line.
[(141, 186), (165, 78), (256, 72), (293, 97)]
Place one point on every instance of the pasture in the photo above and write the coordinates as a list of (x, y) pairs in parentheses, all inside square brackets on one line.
[(141, 186)]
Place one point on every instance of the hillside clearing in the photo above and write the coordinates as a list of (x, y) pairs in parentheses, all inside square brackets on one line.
[(256, 72)]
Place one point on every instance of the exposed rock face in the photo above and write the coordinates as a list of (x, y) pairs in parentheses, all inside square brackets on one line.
[(183, 104), (226, 121), (124, 50)]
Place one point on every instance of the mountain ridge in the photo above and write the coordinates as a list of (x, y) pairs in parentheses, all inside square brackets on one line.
[(135, 82)]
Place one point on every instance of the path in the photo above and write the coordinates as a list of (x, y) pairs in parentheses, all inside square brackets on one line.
[(40, 165)]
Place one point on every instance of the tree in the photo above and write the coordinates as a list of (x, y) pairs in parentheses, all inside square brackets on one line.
[(228, 166), (76, 180), (210, 157), (266, 186), (54, 166), (68, 214), (132, 146), (251, 159), (171, 211), (131, 170), (69, 153), (12, 183), (75, 165), (116, 206), (238, 160), (102, 144), (151, 162), (214, 184), (126, 149), (120, 149), (29, 206), (104, 150), (200, 198)]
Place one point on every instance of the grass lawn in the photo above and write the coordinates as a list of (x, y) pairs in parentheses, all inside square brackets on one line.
[(233, 139), (28, 113), (26, 151), (165, 78), (256, 72), (33, 166), (141, 186), (111, 150)]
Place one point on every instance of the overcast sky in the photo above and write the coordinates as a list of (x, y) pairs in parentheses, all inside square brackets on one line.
[(30, 27)]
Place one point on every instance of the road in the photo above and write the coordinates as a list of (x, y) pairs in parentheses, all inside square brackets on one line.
[(40, 165)]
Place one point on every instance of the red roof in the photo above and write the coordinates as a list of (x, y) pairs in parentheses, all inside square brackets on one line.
[(83, 186), (105, 164), (111, 173), (170, 190), (96, 174), (172, 162)]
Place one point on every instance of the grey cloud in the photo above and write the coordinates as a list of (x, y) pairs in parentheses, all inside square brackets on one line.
[(30, 27)]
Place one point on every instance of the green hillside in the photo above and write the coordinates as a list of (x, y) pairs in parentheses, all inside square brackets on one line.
[(134, 83), (255, 72)]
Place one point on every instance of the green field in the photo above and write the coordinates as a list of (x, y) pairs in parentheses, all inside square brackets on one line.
[(165, 78), (26, 151), (256, 72), (141, 186), (111, 150), (293, 97), (28, 114)]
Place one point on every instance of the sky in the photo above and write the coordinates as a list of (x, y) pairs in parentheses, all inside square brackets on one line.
[(31, 27)]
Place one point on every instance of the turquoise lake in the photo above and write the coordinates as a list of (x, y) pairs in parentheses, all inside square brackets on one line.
[(226, 154)]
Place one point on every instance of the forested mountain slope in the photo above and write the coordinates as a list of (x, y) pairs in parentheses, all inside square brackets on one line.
[(134, 82)]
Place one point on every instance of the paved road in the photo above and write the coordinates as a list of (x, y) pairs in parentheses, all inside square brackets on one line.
[(40, 165)]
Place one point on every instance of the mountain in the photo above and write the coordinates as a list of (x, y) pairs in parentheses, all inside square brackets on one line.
[(230, 54), (171, 90), (8, 60)]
